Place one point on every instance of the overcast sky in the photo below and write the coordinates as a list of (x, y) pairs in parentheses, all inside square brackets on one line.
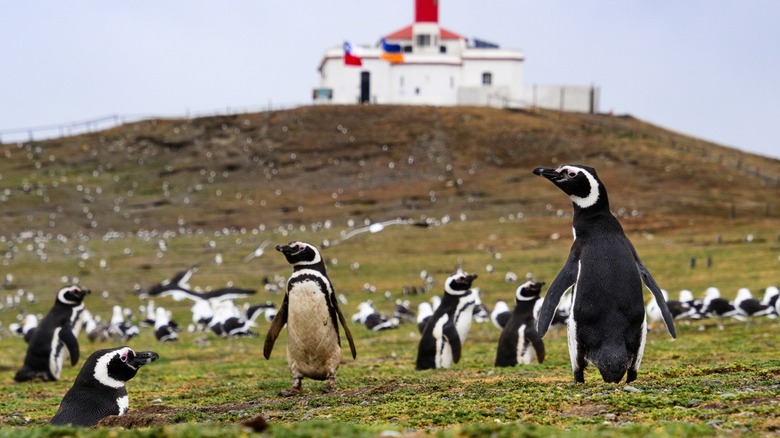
[(706, 68)]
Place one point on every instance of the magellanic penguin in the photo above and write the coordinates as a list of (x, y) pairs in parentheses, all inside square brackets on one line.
[(440, 344), (312, 315), (99, 389), (607, 325), (45, 354), (519, 342)]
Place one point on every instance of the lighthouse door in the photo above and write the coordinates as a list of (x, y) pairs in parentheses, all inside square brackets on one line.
[(365, 87)]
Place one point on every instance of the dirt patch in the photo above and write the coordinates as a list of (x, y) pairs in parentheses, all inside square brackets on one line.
[(156, 415)]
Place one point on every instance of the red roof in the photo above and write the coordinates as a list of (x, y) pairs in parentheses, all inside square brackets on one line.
[(406, 34)]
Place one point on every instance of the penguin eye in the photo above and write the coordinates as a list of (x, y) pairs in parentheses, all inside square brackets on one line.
[(123, 357), (572, 174)]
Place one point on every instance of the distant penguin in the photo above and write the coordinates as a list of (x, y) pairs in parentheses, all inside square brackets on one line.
[(480, 312), (771, 296), (403, 311), (500, 314), (45, 353), (29, 326), (715, 306), (99, 389), (607, 324), (424, 313), (519, 342), (120, 330), (440, 344), (750, 307), (311, 313), (163, 330)]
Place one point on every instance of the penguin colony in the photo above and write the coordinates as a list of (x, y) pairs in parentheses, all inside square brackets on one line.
[(597, 294)]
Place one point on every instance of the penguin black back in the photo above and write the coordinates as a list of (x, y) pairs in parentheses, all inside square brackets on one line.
[(607, 322), (99, 389), (45, 355)]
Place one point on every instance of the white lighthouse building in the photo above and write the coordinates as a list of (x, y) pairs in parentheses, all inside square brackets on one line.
[(438, 68), (426, 64)]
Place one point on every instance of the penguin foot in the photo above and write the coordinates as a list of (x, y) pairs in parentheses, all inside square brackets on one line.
[(290, 392)]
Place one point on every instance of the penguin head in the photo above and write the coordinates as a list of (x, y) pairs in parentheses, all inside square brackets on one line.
[(72, 295), (300, 253), (115, 366), (579, 182), (528, 290), (459, 283)]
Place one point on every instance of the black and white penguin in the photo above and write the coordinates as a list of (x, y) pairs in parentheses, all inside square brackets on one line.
[(716, 307), (607, 325), (750, 307), (99, 389), (164, 331), (310, 311), (119, 329), (519, 342), (424, 313), (45, 353), (440, 344), (500, 314)]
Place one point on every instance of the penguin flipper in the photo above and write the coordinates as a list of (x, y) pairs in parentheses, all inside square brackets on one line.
[(565, 280), (648, 280), (69, 339), (347, 332), (451, 335), (279, 321), (538, 346)]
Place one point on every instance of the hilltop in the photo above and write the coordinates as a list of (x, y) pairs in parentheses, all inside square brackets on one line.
[(311, 164)]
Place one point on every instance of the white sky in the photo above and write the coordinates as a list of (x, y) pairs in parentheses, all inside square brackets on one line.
[(706, 68)]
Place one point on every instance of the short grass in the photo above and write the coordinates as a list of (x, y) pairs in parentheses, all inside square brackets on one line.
[(707, 382)]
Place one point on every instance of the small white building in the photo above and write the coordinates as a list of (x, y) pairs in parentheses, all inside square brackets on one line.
[(439, 67)]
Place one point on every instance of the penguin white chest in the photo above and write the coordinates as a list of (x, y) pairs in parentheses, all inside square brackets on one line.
[(123, 403), (312, 340), (443, 357)]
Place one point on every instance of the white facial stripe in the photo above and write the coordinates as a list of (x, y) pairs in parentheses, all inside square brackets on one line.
[(61, 295), (593, 196), (101, 368), (317, 257), (521, 297)]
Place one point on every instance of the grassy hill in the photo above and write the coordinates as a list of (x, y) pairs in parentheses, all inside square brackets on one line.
[(122, 209)]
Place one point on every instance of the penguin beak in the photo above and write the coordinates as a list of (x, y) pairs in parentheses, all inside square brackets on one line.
[(284, 249), (143, 357), (551, 174)]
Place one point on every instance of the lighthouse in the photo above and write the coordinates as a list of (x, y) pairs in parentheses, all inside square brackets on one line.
[(424, 63)]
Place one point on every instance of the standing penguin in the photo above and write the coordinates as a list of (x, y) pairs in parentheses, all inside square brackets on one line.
[(519, 341), (607, 325), (99, 389), (440, 344), (45, 354), (311, 313)]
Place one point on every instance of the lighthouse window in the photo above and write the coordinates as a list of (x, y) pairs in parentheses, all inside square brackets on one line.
[(487, 78), (423, 40)]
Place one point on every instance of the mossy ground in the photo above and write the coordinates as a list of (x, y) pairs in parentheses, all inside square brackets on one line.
[(706, 382)]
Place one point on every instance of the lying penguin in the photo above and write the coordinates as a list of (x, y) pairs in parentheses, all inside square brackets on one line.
[(99, 389)]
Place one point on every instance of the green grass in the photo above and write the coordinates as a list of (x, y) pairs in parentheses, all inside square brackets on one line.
[(707, 382)]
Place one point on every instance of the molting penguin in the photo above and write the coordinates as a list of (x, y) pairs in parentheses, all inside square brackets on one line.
[(45, 354), (99, 389), (311, 313), (519, 341), (607, 324), (440, 344)]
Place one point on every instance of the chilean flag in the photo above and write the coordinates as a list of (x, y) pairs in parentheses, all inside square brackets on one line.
[(350, 57)]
